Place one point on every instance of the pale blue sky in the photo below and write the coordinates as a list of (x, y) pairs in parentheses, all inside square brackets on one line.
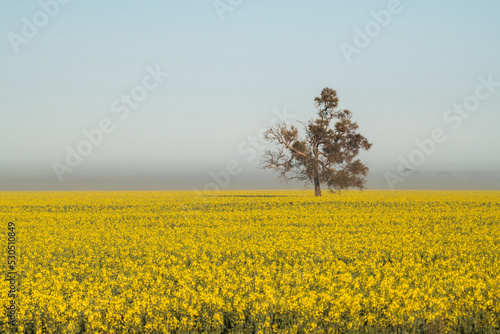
[(227, 76)]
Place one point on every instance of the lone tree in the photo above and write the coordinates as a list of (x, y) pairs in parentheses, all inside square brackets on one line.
[(326, 155)]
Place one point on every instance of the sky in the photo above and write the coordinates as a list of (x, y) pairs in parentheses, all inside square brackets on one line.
[(175, 95)]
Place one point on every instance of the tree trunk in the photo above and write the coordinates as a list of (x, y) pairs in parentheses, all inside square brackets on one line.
[(317, 187)]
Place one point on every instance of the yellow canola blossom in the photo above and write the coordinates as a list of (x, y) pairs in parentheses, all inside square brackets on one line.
[(255, 262)]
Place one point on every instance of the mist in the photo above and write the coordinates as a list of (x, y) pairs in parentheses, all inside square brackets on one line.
[(123, 96)]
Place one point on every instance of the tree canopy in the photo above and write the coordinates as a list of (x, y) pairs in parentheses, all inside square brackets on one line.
[(326, 155)]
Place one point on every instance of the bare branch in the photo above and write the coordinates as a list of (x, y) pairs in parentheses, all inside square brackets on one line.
[(326, 155)]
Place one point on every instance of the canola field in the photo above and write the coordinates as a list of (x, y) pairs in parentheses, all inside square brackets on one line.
[(254, 262)]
